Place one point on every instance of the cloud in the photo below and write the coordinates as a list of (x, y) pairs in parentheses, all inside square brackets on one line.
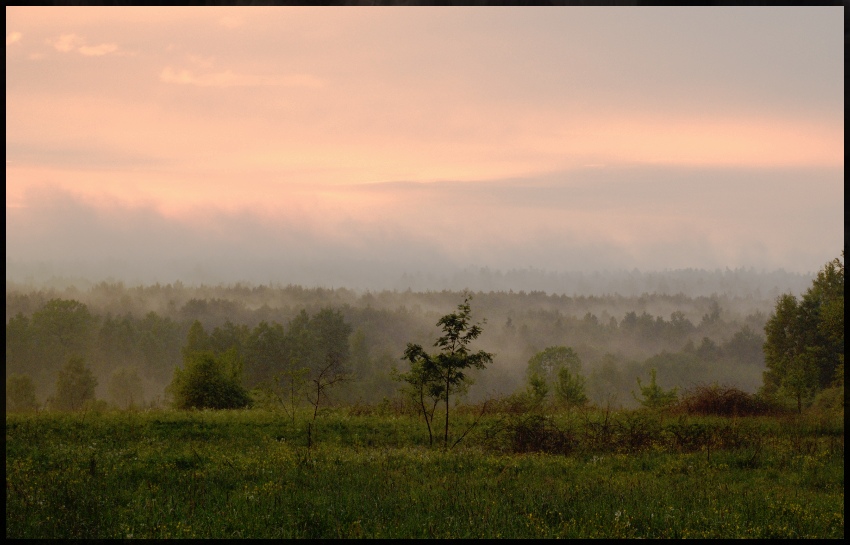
[(76, 155), (72, 42), (228, 78), (212, 117), (98, 50), (204, 62), (210, 79), (13, 37), (650, 219), (66, 42)]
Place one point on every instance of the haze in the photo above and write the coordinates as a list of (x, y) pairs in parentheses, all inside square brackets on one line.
[(351, 146)]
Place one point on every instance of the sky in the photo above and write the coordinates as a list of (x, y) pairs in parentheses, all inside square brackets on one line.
[(340, 145)]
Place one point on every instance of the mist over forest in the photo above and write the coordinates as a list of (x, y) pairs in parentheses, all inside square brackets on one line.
[(695, 327), (369, 275)]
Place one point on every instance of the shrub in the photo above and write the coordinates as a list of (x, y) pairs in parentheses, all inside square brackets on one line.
[(518, 403), (636, 431), (722, 401), (208, 381), (829, 401), (653, 396), (536, 433), (690, 436)]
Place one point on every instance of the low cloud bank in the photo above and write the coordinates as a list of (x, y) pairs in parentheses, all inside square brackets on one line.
[(440, 235)]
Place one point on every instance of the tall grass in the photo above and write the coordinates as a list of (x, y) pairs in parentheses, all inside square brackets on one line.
[(254, 474)]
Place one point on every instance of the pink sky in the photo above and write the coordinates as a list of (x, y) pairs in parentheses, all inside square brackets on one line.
[(301, 130)]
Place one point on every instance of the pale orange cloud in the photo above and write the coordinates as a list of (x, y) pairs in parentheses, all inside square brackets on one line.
[(228, 78), (13, 38), (304, 114), (72, 42), (66, 42), (97, 50)]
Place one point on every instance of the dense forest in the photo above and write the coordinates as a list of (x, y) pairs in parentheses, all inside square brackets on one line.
[(133, 337)]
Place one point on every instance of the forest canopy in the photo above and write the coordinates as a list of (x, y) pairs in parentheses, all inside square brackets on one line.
[(134, 337)]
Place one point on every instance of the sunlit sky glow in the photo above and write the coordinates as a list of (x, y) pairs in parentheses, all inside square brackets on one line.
[(558, 138)]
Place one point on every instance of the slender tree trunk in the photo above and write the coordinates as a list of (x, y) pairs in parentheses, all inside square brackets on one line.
[(446, 439), (292, 396), (425, 415), (318, 393)]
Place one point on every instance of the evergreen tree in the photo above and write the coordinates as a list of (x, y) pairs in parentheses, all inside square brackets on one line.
[(653, 396)]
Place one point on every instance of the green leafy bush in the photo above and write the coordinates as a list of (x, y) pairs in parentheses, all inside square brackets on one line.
[(829, 401), (208, 381)]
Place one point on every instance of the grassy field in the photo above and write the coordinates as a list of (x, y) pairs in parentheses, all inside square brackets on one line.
[(371, 474)]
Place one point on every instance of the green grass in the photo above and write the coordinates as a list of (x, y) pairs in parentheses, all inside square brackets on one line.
[(250, 474)]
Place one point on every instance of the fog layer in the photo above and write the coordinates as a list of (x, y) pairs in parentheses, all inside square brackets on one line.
[(370, 236)]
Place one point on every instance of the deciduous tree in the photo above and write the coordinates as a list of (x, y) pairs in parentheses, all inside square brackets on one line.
[(20, 394), (804, 346), (558, 369), (62, 328), (125, 388), (443, 374), (74, 386)]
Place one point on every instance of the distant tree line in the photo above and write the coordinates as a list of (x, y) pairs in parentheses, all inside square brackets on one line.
[(133, 338)]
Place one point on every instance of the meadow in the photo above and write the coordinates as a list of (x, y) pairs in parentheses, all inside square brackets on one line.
[(368, 471)]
